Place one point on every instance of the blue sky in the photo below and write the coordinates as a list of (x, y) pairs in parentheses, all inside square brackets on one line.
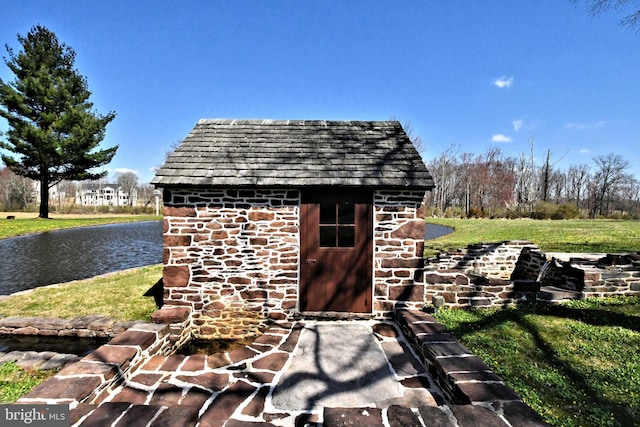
[(468, 74)]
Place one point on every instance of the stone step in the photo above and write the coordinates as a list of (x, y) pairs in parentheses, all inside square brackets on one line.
[(553, 294)]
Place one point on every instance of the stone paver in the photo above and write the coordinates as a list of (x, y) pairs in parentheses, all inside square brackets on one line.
[(236, 388)]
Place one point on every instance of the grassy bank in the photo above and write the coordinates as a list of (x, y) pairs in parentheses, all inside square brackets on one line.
[(28, 223), (550, 236), (117, 295), (576, 364)]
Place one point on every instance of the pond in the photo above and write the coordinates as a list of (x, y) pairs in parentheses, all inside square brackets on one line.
[(77, 253), (433, 231)]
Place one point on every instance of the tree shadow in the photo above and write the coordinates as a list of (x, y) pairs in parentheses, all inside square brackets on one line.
[(323, 381), (621, 414)]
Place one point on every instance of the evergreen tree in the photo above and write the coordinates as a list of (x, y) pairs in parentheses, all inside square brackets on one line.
[(52, 126)]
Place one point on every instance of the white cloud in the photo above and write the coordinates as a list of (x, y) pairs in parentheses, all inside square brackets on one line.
[(517, 124), (584, 151), (500, 138), (125, 170), (503, 82), (585, 126)]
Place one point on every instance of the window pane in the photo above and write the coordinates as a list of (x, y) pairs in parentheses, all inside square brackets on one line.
[(327, 214), (327, 236), (346, 237), (346, 213)]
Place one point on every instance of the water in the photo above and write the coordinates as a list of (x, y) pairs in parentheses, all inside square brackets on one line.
[(433, 231), (60, 256), (36, 260)]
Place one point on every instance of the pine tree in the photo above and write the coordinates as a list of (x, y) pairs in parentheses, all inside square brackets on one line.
[(53, 128)]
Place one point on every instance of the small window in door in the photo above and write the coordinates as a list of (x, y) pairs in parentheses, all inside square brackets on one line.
[(337, 225)]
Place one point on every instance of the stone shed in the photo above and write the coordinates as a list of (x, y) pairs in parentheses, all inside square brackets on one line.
[(267, 219)]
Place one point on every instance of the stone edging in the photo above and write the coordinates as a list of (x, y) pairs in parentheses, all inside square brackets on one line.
[(466, 378), (83, 326)]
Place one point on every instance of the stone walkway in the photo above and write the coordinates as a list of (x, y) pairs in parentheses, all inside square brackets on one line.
[(237, 388)]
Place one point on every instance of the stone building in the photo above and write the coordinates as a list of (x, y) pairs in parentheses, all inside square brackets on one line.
[(268, 219)]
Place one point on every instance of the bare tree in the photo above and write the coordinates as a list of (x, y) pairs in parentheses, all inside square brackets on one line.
[(577, 180), (610, 174), (16, 192), (128, 181), (629, 8), (445, 174)]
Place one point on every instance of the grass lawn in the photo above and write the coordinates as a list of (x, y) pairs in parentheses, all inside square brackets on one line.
[(117, 295), (14, 381), (576, 364), (28, 223), (549, 235)]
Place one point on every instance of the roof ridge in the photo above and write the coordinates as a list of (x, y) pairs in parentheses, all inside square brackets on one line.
[(265, 121)]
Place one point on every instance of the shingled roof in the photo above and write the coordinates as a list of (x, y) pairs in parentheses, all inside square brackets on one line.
[(295, 153)]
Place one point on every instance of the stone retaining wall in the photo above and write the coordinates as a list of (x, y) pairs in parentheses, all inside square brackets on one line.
[(83, 326), (512, 272), (85, 380), (488, 259)]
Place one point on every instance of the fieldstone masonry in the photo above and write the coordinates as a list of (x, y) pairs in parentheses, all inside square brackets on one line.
[(232, 258), (398, 232), (512, 272)]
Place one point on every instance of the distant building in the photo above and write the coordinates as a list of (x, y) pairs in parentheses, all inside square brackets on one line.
[(99, 194)]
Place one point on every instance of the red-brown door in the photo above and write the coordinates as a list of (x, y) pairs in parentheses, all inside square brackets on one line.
[(336, 251)]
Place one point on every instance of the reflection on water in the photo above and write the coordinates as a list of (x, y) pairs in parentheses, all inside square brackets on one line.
[(64, 255)]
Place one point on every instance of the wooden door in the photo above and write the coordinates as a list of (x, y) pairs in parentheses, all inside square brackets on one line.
[(336, 251)]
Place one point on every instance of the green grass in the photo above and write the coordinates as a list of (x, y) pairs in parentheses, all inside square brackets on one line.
[(117, 295), (550, 236), (15, 382), (576, 364), (21, 226)]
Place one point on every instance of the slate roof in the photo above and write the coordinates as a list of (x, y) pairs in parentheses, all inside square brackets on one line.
[(295, 153)]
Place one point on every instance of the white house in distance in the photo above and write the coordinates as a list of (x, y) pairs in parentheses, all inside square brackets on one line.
[(100, 194)]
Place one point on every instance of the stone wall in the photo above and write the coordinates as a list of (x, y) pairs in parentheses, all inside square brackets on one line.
[(479, 275), (496, 260), (512, 272), (231, 256), (93, 326), (398, 251)]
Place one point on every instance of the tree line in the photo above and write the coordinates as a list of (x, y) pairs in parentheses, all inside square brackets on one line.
[(492, 184), (19, 193)]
